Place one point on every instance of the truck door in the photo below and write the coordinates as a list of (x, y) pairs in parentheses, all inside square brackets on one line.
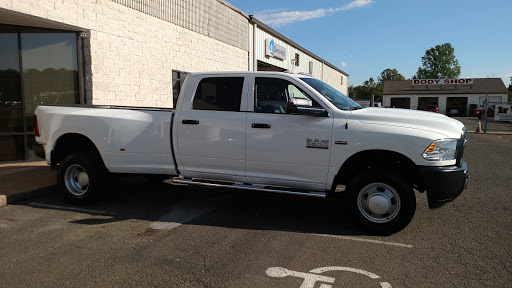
[(211, 129), (283, 147)]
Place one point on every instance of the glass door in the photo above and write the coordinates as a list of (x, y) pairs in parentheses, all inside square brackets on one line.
[(37, 66), (11, 108)]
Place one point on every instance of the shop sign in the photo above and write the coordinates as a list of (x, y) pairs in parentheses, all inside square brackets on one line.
[(441, 81), (503, 112), (274, 50)]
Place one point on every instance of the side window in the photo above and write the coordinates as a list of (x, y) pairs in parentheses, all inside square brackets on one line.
[(273, 95), (219, 93), (298, 97)]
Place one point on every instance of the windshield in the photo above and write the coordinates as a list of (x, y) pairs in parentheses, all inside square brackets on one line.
[(334, 96)]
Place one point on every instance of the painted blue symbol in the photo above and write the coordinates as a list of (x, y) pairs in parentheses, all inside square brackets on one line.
[(271, 46)]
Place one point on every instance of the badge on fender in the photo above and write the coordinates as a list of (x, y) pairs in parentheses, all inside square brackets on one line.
[(317, 143)]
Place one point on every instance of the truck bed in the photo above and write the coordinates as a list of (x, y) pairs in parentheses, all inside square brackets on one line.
[(129, 139)]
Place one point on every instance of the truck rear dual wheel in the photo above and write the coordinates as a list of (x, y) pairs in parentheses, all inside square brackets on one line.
[(83, 178), (382, 201)]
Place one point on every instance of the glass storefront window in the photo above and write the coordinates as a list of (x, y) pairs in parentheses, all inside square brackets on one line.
[(178, 77), (50, 70), (11, 111), (10, 148), (48, 75)]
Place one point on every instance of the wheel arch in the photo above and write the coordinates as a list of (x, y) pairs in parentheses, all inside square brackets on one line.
[(70, 143), (367, 159)]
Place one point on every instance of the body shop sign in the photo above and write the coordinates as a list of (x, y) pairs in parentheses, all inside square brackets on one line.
[(441, 81), (274, 50)]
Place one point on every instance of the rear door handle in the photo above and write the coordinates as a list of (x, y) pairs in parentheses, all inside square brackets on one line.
[(193, 122), (260, 125)]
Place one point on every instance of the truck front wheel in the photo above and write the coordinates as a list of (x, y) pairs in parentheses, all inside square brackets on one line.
[(83, 178), (382, 201)]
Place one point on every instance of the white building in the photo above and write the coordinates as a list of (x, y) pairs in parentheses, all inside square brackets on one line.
[(464, 95), (290, 56)]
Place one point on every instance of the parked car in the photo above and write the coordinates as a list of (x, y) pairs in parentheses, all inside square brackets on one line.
[(432, 108), (480, 112), (456, 111), (453, 112)]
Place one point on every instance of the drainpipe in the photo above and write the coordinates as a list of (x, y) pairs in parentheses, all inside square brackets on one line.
[(322, 77)]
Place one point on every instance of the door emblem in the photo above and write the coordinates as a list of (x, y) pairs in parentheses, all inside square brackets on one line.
[(317, 143)]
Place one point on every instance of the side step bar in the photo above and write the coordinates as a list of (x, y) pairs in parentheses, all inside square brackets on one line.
[(245, 187)]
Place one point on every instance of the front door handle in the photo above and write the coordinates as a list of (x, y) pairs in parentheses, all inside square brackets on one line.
[(260, 125), (193, 122)]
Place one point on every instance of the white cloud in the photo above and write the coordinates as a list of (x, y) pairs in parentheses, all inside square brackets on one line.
[(344, 64), (355, 4), (281, 17)]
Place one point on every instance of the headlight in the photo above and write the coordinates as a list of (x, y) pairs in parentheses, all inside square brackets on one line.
[(441, 150)]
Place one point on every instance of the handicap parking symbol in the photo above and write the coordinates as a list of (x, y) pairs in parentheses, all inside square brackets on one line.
[(311, 278)]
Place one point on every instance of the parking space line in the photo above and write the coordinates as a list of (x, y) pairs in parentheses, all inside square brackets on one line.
[(366, 240), (181, 213), (72, 209)]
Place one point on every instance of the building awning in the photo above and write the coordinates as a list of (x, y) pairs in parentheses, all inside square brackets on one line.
[(21, 19)]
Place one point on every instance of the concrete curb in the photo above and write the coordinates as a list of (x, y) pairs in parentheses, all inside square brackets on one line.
[(491, 133), (25, 195)]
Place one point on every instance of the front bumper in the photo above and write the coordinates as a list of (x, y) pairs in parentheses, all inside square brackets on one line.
[(444, 184)]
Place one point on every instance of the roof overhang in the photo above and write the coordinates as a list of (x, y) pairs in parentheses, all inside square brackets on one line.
[(21, 19)]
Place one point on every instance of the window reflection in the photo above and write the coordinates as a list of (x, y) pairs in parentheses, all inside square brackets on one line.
[(50, 76), (50, 70), (11, 111), (11, 148)]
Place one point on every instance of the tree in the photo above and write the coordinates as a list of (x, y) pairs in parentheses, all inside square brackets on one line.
[(370, 87), (390, 74), (365, 91), (438, 63)]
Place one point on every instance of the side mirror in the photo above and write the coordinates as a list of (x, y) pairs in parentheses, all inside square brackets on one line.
[(306, 110), (312, 111)]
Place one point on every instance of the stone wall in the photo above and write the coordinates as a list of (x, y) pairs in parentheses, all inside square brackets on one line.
[(130, 55)]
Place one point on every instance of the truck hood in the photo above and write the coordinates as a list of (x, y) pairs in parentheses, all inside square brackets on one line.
[(414, 119)]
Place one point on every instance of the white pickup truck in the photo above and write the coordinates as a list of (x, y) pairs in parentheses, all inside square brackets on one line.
[(278, 132)]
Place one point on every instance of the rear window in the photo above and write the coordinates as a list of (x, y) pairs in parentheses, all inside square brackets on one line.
[(219, 93)]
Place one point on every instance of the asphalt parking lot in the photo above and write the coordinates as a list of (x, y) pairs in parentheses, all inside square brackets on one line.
[(162, 235)]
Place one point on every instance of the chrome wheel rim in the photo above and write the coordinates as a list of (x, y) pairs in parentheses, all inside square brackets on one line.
[(378, 202), (76, 180)]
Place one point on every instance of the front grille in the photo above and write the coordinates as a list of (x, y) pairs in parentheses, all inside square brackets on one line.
[(461, 144)]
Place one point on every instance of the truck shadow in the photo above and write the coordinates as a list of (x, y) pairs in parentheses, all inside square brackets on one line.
[(141, 199)]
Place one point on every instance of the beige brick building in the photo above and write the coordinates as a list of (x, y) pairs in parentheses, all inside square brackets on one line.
[(122, 52), (131, 47)]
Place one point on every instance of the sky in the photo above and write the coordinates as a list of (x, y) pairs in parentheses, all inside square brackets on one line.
[(365, 37)]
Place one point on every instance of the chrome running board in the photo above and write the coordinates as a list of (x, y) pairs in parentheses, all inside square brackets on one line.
[(203, 182)]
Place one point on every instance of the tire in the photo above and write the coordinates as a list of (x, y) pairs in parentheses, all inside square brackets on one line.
[(382, 201), (83, 178)]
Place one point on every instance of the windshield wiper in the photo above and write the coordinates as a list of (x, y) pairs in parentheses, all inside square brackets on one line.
[(356, 108)]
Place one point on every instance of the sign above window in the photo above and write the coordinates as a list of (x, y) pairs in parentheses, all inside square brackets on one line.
[(273, 49)]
